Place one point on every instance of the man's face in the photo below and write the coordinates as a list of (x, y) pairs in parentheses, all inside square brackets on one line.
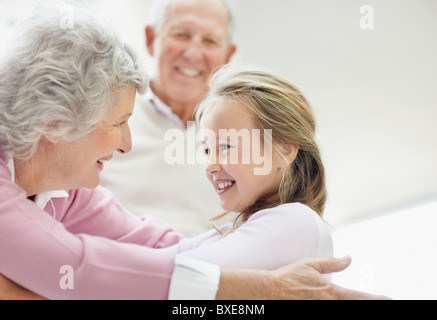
[(192, 43)]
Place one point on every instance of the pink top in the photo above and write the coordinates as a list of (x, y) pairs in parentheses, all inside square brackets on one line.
[(77, 232)]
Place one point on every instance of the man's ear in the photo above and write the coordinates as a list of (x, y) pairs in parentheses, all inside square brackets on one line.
[(231, 51), (150, 39)]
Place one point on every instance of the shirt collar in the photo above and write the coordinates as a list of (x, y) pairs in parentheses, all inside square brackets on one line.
[(163, 109), (43, 198)]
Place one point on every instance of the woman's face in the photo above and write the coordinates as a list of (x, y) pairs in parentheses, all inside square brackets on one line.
[(78, 164)]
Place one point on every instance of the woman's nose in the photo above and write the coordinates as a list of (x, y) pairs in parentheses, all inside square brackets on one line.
[(126, 141)]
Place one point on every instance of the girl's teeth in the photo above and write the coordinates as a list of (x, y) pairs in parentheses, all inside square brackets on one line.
[(224, 185)]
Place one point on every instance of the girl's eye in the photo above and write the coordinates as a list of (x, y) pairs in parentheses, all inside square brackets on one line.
[(224, 147)]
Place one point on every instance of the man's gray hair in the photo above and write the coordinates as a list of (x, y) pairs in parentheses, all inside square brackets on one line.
[(159, 15), (59, 75)]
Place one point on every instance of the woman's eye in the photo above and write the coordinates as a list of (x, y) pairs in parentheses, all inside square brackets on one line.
[(121, 124)]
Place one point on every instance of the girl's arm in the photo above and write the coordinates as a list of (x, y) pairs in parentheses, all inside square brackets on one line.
[(270, 239)]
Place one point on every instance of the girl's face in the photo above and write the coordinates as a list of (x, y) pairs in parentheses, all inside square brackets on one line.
[(233, 147)]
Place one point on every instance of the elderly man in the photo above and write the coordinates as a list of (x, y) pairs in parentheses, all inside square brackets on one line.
[(189, 40)]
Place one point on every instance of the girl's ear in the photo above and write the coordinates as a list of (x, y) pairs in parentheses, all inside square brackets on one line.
[(290, 152)]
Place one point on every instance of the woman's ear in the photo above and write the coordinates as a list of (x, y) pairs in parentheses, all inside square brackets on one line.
[(51, 132), (52, 138)]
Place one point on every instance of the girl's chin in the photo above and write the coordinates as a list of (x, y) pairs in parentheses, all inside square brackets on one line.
[(231, 208)]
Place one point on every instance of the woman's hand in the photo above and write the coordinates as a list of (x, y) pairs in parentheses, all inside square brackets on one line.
[(304, 281)]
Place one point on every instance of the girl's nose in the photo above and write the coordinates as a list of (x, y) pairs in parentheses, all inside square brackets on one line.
[(213, 165)]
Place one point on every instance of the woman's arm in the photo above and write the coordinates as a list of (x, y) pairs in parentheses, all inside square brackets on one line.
[(298, 281), (35, 248), (98, 212)]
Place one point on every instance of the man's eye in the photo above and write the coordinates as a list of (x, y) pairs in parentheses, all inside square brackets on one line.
[(210, 41), (182, 35)]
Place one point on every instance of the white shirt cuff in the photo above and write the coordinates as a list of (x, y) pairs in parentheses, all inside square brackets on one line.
[(194, 280)]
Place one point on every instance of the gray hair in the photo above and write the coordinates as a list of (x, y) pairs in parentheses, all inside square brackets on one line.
[(59, 79), (159, 15)]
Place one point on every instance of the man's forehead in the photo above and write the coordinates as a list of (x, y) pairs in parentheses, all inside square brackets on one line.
[(208, 9)]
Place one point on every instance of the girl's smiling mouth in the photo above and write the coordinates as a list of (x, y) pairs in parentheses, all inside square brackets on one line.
[(224, 186)]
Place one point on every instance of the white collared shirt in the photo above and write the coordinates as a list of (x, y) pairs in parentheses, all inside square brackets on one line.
[(163, 109)]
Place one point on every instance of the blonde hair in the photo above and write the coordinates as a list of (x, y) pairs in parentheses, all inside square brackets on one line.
[(279, 105)]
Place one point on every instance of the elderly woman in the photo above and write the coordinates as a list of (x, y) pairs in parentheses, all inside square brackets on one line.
[(66, 95)]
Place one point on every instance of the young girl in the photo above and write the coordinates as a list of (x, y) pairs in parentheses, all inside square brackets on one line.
[(280, 209)]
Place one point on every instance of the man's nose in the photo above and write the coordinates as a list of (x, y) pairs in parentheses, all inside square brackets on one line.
[(194, 50)]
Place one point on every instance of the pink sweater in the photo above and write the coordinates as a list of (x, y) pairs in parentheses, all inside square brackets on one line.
[(79, 232)]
